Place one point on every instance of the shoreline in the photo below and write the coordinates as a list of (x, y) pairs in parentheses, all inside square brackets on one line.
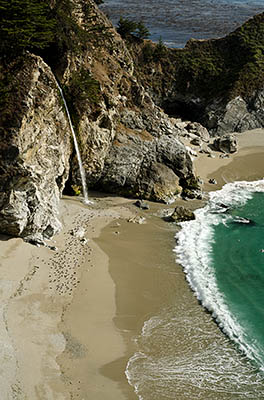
[(77, 310)]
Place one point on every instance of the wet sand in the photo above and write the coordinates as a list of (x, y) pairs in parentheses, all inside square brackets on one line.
[(246, 164), (69, 317), (142, 264)]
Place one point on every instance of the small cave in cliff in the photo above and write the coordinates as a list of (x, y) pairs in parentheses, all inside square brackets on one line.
[(68, 187), (186, 110), (68, 190)]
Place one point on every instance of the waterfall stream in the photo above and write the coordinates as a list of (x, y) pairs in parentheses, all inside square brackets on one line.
[(82, 172)]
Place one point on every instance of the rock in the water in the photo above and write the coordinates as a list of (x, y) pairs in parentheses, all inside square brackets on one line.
[(181, 214), (226, 144)]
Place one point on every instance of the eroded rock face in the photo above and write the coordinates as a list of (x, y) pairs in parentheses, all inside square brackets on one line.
[(237, 115), (128, 144), (34, 152), (181, 214), (143, 166), (226, 144), (198, 130)]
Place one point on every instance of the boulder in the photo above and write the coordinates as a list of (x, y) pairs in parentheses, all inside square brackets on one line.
[(205, 149), (142, 204), (226, 144), (181, 214), (212, 181), (199, 130), (236, 115), (143, 166)]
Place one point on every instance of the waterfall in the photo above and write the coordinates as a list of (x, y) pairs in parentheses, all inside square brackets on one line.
[(82, 172)]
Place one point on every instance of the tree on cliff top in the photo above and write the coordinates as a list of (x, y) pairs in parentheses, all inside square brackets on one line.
[(24, 24), (127, 27)]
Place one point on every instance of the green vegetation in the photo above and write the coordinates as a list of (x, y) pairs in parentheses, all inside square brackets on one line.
[(154, 52), (24, 24), (160, 50), (49, 31), (233, 65), (13, 84), (127, 28), (205, 69), (82, 87)]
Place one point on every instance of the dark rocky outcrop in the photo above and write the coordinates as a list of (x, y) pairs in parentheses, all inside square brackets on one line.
[(236, 115), (196, 129), (226, 144), (181, 214), (141, 165), (217, 82)]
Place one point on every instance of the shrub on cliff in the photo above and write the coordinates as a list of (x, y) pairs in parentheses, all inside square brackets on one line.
[(160, 50), (82, 87), (127, 27)]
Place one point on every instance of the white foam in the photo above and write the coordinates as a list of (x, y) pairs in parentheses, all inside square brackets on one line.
[(194, 247), (175, 364), (207, 365)]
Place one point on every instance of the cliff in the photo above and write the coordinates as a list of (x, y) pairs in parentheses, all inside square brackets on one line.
[(34, 151), (218, 82), (117, 92)]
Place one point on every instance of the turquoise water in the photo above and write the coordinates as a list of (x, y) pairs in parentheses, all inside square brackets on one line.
[(222, 253), (238, 262)]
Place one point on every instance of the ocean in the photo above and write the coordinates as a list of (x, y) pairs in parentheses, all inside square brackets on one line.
[(214, 351), (176, 21), (180, 352)]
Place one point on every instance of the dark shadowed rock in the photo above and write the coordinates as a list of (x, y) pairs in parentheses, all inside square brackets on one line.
[(199, 130), (212, 181), (181, 214), (237, 115), (196, 141), (142, 205), (226, 144), (144, 166)]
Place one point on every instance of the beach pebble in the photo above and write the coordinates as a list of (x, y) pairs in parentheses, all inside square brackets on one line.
[(142, 204)]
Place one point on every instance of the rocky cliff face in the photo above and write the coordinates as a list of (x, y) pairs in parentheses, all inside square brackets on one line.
[(146, 160), (218, 83), (34, 151), (114, 92), (128, 145), (236, 115), (120, 129)]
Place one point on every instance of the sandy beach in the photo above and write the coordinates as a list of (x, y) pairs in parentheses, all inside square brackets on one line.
[(70, 312)]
